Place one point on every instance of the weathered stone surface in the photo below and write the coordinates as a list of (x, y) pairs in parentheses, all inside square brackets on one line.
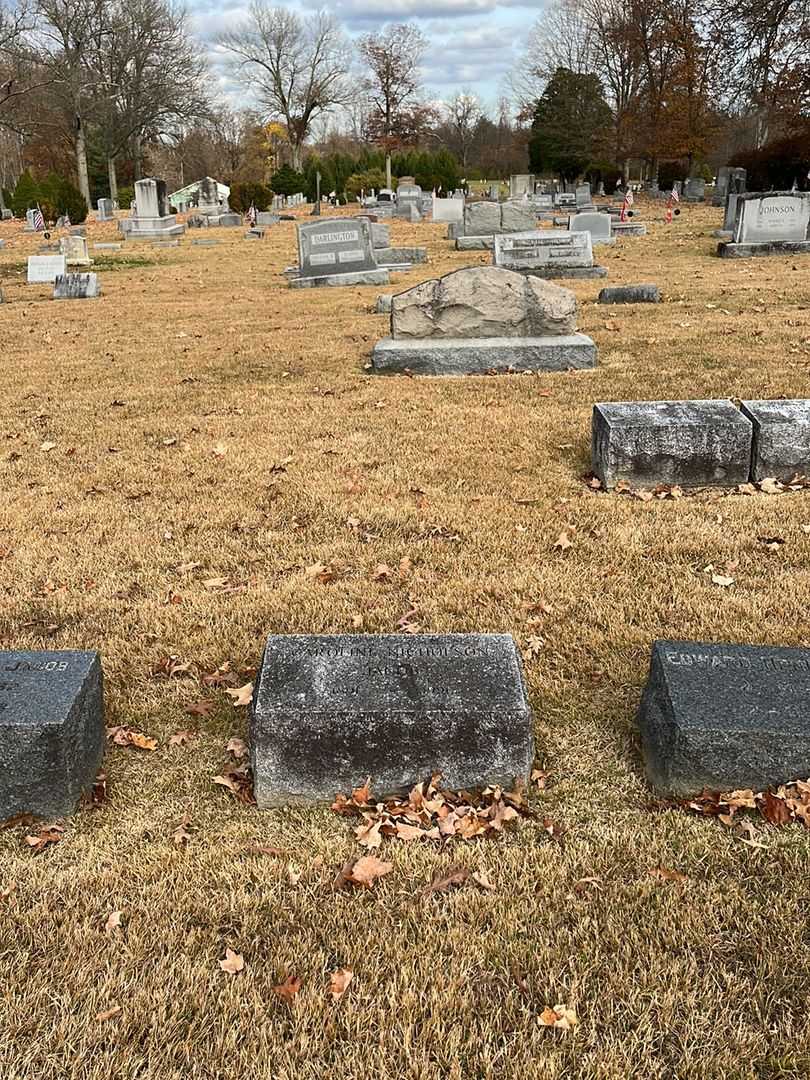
[(45, 268), (361, 277), (76, 287), (630, 294), (400, 256), (725, 717), (477, 356), (690, 443), (383, 304), (474, 243), (482, 302), (230, 220), (482, 219), (204, 242), (51, 730), (330, 711), (517, 217), (781, 445), (107, 247)]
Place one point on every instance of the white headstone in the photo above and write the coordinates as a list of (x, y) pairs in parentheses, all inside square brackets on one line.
[(448, 209), (773, 217), (45, 268)]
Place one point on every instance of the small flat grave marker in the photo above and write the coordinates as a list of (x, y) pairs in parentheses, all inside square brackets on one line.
[(330, 710), (725, 717), (76, 287), (51, 730)]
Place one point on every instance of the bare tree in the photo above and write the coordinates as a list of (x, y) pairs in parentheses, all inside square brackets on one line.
[(563, 37), (296, 67), (464, 113), (147, 78), (393, 84), (18, 76)]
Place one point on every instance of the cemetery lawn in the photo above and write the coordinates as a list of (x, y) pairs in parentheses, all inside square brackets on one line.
[(198, 459)]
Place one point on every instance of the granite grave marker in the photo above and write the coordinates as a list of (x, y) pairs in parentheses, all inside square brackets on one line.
[(331, 710), (51, 730)]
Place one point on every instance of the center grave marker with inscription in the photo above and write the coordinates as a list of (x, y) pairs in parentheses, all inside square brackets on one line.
[(337, 251), (331, 710), (725, 717), (547, 254), (51, 730)]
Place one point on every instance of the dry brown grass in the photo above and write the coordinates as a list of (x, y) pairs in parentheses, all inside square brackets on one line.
[(707, 978)]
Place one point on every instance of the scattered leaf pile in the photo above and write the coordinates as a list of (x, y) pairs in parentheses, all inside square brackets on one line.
[(788, 803), (430, 813)]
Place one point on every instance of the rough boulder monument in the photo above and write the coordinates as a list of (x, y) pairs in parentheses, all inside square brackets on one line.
[(481, 319)]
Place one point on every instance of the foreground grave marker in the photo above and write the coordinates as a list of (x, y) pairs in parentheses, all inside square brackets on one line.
[(337, 251), (690, 443), (725, 717), (51, 730), (330, 710), (481, 319)]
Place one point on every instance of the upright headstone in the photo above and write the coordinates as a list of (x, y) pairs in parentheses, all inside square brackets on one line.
[(7, 214), (695, 190), (770, 224), (330, 711), (30, 216), (582, 195), (337, 251), (730, 181), (481, 319), (409, 198), (451, 210), (688, 443), (598, 225), (485, 220), (725, 717), (150, 220), (45, 269), (521, 184), (51, 730), (74, 248), (547, 253), (105, 210)]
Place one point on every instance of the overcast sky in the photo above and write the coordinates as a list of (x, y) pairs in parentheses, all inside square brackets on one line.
[(474, 44)]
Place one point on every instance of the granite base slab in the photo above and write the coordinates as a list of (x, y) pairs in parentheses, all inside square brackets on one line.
[(475, 243), (360, 277), (776, 247), (476, 356)]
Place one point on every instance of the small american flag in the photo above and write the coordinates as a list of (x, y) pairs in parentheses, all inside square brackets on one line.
[(628, 201), (39, 220), (674, 194), (251, 215)]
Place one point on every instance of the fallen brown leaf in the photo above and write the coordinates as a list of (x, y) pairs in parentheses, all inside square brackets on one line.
[(339, 982), (233, 963)]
